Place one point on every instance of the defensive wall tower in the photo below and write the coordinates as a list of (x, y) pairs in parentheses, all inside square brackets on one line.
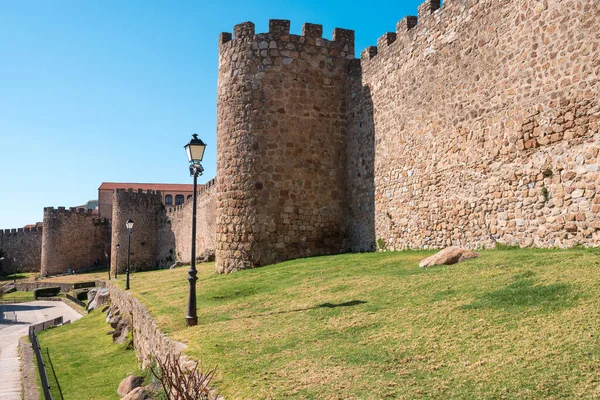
[(151, 238), (22, 248), (280, 143), (72, 238)]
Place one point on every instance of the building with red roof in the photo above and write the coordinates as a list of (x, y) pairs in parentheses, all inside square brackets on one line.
[(172, 193)]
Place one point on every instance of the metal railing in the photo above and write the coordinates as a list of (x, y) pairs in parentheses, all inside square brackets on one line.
[(35, 344)]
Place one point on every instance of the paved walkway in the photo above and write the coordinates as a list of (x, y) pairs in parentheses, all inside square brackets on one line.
[(15, 320)]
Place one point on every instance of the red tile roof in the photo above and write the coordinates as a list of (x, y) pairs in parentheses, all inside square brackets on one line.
[(165, 187)]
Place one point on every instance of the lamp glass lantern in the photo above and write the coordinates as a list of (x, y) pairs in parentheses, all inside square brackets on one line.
[(195, 149), (129, 224)]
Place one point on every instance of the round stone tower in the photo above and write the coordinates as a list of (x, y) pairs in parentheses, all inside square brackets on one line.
[(280, 144)]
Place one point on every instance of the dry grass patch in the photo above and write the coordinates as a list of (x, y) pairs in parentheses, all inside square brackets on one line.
[(509, 324)]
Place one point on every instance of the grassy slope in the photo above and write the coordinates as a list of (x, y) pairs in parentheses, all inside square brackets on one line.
[(509, 324), (87, 364)]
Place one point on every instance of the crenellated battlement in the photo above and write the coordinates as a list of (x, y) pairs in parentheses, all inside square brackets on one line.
[(279, 30), (404, 29), (37, 229), (70, 210)]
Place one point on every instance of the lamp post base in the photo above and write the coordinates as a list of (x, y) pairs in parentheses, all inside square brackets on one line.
[(191, 321)]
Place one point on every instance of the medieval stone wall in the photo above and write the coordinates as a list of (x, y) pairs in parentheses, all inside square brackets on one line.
[(72, 238), (485, 122), (181, 224), (281, 144), (151, 239), (22, 250)]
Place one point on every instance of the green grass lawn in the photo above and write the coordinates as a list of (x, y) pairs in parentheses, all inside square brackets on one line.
[(509, 324), (87, 364), (17, 297)]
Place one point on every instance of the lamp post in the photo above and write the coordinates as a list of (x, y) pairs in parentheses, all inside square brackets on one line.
[(195, 152), (118, 246), (129, 225)]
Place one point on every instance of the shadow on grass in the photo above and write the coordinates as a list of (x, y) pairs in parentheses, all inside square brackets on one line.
[(323, 305), (524, 293), (346, 304)]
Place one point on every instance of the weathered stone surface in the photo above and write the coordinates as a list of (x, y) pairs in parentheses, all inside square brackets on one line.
[(448, 256), (101, 298), (281, 148), (91, 294), (129, 383), (25, 248), (139, 393), (470, 129), (72, 238)]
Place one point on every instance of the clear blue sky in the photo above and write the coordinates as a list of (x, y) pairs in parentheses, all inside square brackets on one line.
[(94, 91)]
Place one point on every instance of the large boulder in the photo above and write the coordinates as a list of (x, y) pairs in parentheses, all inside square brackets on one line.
[(100, 299), (91, 294), (139, 393), (129, 383), (121, 332), (448, 256)]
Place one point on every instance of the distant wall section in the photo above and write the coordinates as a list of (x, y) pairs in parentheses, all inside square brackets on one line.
[(151, 238), (22, 250), (72, 238), (181, 224)]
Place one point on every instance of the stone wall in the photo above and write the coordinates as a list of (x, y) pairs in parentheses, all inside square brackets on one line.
[(485, 117), (22, 250), (72, 238), (281, 144), (181, 224), (148, 340), (151, 240)]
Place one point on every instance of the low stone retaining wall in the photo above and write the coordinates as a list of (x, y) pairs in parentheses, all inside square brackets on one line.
[(64, 287), (148, 340)]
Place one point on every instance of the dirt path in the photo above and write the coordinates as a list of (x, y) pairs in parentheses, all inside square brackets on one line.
[(15, 320)]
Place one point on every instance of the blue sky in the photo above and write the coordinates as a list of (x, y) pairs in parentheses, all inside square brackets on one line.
[(94, 91)]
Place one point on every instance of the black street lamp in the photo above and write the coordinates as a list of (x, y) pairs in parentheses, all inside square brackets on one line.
[(195, 152), (129, 225), (118, 246)]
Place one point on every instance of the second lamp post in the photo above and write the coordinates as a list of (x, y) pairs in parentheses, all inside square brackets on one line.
[(195, 152), (129, 225)]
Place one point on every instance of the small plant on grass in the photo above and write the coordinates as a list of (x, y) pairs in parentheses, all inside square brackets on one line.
[(179, 382), (381, 245)]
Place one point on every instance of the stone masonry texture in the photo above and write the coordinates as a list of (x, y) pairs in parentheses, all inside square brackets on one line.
[(149, 238), (181, 224), (281, 144), (485, 117), (72, 238), (22, 248), (474, 122)]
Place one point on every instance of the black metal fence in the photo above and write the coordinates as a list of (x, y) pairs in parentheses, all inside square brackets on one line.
[(38, 353)]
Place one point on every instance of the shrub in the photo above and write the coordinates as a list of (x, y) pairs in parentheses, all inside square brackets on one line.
[(46, 292)]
